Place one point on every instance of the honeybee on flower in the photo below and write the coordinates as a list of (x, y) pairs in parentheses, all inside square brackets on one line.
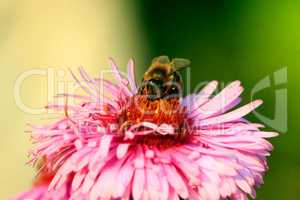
[(149, 142)]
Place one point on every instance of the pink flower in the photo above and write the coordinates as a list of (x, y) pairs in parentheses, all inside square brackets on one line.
[(109, 147), (41, 192)]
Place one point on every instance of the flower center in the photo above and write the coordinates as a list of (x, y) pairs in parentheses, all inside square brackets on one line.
[(160, 111)]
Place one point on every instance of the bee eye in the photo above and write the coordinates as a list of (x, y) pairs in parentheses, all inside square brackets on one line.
[(156, 82)]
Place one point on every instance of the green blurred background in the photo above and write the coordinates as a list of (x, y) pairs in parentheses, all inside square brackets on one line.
[(225, 40)]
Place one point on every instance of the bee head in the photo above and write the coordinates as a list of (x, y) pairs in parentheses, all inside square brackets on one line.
[(162, 79)]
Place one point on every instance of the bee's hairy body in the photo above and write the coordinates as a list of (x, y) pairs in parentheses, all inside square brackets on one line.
[(162, 80), (157, 100)]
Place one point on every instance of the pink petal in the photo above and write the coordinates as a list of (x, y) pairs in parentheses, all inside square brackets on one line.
[(103, 149), (204, 94), (220, 101), (233, 115), (138, 184), (176, 181), (131, 75), (122, 150)]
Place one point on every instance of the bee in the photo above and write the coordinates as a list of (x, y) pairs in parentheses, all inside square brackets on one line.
[(162, 79), (157, 99)]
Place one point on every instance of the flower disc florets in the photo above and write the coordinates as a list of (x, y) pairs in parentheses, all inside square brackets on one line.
[(166, 113)]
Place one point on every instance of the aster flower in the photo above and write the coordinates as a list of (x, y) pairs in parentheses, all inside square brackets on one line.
[(125, 145)]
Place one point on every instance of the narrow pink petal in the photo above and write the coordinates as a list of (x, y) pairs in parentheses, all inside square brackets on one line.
[(105, 184), (224, 188), (78, 179), (87, 183), (164, 184), (190, 169), (124, 178), (173, 195), (176, 181), (139, 161), (115, 69), (138, 184), (204, 94), (265, 134), (122, 150), (209, 163), (212, 190), (153, 183), (243, 185), (233, 115), (54, 181), (86, 89), (218, 103), (118, 76), (131, 75), (103, 149), (89, 80)]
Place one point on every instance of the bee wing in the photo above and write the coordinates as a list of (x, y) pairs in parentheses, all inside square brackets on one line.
[(161, 59), (179, 63)]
